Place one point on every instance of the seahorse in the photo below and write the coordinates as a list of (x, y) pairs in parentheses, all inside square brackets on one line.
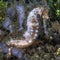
[(32, 29)]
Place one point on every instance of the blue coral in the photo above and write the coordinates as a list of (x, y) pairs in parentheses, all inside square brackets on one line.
[(16, 52), (4, 48), (10, 12), (21, 15), (7, 25), (6, 22)]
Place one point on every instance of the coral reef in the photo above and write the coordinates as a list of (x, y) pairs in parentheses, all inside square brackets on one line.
[(27, 32)]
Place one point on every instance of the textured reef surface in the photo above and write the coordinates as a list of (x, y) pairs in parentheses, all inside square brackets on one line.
[(27, 31)]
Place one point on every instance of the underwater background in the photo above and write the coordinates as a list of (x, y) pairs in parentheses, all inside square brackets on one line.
[(44, 47)]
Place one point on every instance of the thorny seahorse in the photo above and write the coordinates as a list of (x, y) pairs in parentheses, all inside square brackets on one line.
[(32, 28)]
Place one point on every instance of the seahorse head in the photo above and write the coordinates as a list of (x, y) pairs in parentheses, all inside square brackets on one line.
[(43, 11)]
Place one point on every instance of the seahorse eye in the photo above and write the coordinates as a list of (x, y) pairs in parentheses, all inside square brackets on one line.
[(38, 15)]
